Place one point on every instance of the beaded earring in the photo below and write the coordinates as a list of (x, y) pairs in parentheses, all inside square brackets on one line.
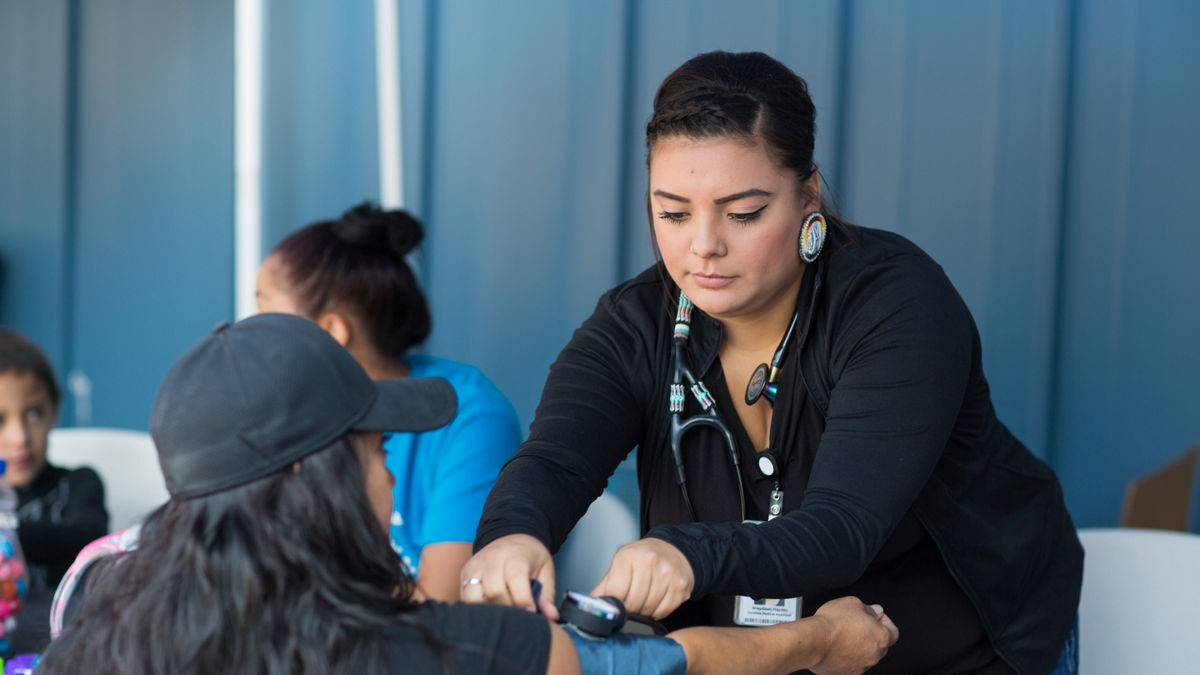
[(812, 237)]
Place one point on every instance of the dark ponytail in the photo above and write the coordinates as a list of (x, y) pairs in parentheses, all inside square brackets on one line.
[(369, 226), (356, 264)]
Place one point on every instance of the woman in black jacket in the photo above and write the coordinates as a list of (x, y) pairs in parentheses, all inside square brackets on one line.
[(828, 374)]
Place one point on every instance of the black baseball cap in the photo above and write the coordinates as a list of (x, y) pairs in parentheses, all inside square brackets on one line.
[(252, 397)]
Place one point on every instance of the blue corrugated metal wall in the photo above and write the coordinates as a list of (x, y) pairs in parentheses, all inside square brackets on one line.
[(34, 161), (1128, 367), (1040, 151), (119, 243)]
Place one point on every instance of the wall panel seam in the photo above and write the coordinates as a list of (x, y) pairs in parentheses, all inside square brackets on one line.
[(845, 28), (626, 131), (1054, 386), (70, 239), (427, 161)]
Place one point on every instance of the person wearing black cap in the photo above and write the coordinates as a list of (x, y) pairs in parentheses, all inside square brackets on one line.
[(272, 554)]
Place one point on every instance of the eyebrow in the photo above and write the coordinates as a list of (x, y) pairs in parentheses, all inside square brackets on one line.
[(752, 192)]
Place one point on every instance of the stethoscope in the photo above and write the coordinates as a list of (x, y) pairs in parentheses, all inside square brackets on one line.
[(762, 382)]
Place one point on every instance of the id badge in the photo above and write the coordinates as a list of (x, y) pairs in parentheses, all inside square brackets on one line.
[(748, 611)]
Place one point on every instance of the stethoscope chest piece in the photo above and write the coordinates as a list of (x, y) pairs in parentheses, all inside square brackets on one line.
[(763, 379), (757, 384)]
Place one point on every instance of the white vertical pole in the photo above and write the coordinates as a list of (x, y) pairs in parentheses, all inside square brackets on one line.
[(248, 126), (387, 88)]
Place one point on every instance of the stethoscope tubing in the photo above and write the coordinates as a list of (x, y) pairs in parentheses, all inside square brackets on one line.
[(709, 417)]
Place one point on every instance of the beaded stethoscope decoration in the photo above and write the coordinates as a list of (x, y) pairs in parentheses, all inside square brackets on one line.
[(708, 415)]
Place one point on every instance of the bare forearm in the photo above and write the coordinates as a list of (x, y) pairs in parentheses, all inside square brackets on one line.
[(772, 649), (844, 637)]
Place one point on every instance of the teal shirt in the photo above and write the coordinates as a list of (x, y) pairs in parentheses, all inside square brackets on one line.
[(443, 476)]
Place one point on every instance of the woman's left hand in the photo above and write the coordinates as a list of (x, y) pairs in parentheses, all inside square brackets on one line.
[(650, 576)]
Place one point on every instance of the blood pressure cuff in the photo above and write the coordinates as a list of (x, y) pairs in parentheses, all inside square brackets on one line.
[(628, 653)]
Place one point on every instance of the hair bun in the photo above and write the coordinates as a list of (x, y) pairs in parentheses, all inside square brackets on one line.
[(369, 225)]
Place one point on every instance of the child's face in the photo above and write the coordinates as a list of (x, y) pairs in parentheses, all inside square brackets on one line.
[(26, 415)]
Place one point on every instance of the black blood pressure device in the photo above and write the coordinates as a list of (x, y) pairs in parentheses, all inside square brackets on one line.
[(597, 617)]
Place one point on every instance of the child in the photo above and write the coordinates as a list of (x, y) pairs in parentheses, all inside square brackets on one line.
[(60, 510)]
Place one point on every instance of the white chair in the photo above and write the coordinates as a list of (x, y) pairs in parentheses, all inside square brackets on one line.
[(584, 557), (127, 463), (1140, 608)]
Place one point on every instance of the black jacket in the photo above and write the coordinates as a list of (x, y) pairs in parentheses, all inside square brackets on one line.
[(887, 354), (59, 513)]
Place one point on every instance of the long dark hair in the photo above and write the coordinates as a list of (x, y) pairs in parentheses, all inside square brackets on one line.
[(357, 264), (748, 95), (291, 573)]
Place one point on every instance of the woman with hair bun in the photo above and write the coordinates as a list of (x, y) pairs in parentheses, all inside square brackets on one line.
[(350, 277), (809, 408)]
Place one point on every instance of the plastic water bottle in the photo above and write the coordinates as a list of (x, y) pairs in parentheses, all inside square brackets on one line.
[(14, 578)]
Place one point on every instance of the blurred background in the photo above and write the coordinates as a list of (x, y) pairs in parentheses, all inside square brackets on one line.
[(1043, 151)]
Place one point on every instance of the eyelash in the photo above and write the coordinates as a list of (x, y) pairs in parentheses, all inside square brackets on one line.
[(677, 217), (747, 217), (673, 217)]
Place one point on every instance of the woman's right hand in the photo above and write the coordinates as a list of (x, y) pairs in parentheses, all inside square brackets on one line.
[(858, 636), (845, 637), (500, 573)]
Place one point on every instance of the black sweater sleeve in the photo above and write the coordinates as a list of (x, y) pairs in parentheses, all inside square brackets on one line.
[(590, 416), (900, 354), (70, 516)]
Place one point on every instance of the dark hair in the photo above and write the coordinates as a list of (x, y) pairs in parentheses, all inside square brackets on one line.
[(747, 94), (356, 264), (291, 573), (19, 354)]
